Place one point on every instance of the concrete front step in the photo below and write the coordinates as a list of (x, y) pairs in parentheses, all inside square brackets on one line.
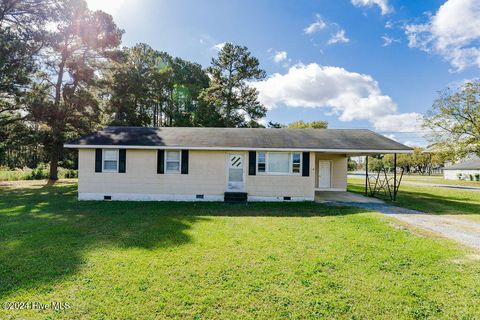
[(235, 197)]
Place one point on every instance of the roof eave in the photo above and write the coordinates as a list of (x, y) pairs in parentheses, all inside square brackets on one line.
[(356, 152)]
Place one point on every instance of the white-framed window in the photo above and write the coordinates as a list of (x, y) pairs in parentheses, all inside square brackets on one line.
[(110, 160), (172, 161), (279, 163), (296, 162), (262, 162)]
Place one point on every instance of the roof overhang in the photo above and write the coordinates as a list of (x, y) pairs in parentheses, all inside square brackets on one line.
[(353, 152)]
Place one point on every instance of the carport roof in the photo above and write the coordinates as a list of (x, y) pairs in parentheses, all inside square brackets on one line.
[(353, 141)]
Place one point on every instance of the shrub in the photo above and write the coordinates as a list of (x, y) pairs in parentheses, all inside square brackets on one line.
[(459, 176), (40, 172), (67, 173), (477, 176), (471, 177)]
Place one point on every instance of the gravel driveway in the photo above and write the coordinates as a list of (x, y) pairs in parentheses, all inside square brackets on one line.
[(466, 232)]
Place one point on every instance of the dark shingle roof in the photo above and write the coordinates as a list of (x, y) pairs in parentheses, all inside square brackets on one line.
[(473, 164), (248, 138)]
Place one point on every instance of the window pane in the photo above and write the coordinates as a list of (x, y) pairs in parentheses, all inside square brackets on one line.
[(296, 162), (110, 165), (261, 167), (110, 155), (173, 155), (261, 162), (278, 162), (173, 166), (296, 157), (235, 175), (296, 168), (261, 157)]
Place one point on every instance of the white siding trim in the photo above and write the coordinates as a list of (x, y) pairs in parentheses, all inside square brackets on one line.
[(174, 197), (362, 151), (146, 197)]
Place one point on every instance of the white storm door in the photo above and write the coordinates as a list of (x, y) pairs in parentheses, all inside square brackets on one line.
[(324, 174), (235, 174)]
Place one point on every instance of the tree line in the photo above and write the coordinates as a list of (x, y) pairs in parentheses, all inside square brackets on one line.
[(63, 74)]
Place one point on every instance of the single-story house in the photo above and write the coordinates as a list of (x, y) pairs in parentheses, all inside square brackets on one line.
[(462, 170), (217, 164)]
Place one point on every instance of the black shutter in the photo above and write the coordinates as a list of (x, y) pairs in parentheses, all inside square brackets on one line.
[(306, 164), (98, 160), (184, 161), (122, 157), (161, 161), (252, 163)]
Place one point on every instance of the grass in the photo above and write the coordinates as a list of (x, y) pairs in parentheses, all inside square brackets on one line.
[(7, 174), (435, 179), (39, 173), (126, 260), (435, 200)]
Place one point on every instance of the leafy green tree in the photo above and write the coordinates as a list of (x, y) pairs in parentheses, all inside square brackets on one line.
[(320, 124), (455, 120), (132, 86), (150, 88), (351, 164), (22, 35), (375, 163), (64, 101), (229, 92)]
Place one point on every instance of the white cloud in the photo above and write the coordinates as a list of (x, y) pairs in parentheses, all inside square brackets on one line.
[(452, 32), (219, 46), (319, 24), (108, 6), (263, 121), (382, 4), (389, 25), (391, 136), (280, 56), (338, 37), (389, 40), (404, 122), (350, 95)]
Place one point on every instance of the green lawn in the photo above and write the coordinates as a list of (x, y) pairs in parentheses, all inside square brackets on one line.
[(439, 180), (434, 200), (125, 260)]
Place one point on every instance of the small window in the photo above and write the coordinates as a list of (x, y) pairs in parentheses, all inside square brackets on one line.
[(296, 162), (261, 162), (172, 163), (110, 160)]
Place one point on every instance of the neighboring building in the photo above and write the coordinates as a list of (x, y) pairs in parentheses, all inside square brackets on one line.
[(213, 164), (463, 170)]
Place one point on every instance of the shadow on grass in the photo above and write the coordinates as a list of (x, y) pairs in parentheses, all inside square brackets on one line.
[(429, 202), (45, 231)]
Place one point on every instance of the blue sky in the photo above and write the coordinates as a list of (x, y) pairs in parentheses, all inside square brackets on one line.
[(374, 64)]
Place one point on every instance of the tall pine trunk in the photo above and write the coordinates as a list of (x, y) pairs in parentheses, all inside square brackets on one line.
[(55, 155), (53, 166)]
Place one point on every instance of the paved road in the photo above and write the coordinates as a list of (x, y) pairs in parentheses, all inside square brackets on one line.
[(427, 184), (464, 231), (441, 185)]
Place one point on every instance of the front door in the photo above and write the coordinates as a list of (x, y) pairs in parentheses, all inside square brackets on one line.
[(324, 174), (235, 178)]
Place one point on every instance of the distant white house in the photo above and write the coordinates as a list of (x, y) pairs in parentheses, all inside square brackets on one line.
[(465, 170)]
